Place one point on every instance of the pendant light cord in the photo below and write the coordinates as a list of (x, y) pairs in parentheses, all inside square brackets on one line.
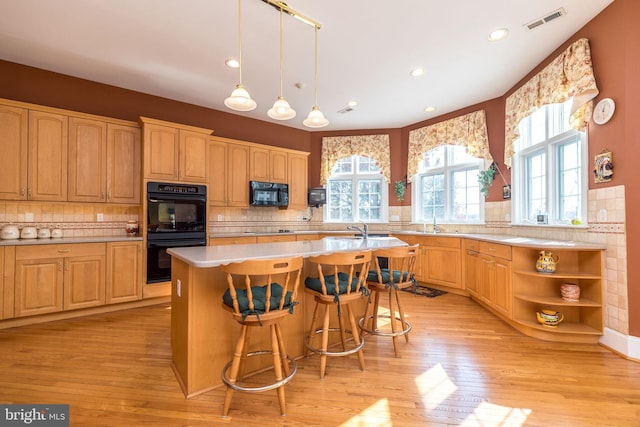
[(240, 38), (316, 67), (281, 61)]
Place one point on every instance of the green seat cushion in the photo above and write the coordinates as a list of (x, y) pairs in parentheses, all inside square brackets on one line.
[(259, 294), (386, 276), (343, 283)]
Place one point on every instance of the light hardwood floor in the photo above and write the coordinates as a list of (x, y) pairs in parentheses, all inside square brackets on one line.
[(462, 366)]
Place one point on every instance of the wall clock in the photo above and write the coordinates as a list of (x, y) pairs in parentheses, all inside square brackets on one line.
[(604, 111)]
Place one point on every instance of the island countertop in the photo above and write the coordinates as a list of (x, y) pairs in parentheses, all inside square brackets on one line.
[(214, 256)]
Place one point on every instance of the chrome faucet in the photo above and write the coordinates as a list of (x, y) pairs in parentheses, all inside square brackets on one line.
[(364, 230), (435, 225)]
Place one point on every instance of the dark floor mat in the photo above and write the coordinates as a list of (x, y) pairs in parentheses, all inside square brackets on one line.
[(425, 291)]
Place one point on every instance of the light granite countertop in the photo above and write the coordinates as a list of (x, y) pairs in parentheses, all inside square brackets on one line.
[(213, 256), (68, 240)]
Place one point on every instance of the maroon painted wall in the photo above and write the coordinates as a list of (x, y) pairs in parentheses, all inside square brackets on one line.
[(615, 46)]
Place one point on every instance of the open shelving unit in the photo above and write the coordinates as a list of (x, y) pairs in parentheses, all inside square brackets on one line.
[(533, 291)]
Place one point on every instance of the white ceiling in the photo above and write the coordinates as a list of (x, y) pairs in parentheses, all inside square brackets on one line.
[(177, 48)]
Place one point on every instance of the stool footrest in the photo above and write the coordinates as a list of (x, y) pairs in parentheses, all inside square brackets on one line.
[(334, 353), (258, 389), (383, 333)]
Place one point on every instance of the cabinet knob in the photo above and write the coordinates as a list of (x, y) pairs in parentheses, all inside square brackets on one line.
[(29, 194), (60, 266), (23, 191), (102, 195)]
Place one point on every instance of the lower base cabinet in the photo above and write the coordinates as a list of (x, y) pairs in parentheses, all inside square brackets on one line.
[(124, 272), (52, 278)]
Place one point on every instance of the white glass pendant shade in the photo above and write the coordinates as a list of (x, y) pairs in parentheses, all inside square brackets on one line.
[(281, 110), (240, 100), (315, 119)]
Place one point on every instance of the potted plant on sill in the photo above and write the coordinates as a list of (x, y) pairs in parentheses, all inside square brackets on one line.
[(485, 178)]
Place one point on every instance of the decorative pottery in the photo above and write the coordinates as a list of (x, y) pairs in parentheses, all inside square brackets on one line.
[(132, 228), (56, 233), (570, 292), (547, 262), (29, 232), (548, 317), (44, 233), (10, 232)]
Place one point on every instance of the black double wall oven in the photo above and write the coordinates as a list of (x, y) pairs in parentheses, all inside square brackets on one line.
[(176, 217)]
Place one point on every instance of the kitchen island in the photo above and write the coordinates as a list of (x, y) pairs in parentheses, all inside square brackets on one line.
[(203, 334)]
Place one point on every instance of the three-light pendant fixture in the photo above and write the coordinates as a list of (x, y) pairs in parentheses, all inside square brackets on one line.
[(240, 100)]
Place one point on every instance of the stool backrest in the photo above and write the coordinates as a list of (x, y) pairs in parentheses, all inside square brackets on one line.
[(354, 264), (401, 259), (246, 277)]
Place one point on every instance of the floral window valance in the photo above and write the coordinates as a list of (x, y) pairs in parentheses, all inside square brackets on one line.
[(469, 131), (335, 148), (568, 76)]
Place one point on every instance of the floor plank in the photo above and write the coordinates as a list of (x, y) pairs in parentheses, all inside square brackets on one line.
[(462, 366)]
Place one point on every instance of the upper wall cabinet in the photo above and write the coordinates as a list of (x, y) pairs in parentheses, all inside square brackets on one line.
[(298, 180), (268, 165), (104, 162), (47, 159), (174, 152), (14, 140)]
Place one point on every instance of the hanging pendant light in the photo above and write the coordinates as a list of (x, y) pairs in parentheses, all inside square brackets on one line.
[(281, 109), (316, 119), (240, 100)]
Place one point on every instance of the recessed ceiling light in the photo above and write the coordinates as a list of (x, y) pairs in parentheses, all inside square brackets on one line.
[(498, 34), (232, 63), (352, 104), (429, 109), (416, 72)]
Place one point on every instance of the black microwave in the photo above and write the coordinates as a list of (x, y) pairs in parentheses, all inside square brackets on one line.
[(268, 194)]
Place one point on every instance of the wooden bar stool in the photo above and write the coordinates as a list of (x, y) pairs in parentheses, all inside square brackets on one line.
[(261, 292), (396, 276), (340, 281)]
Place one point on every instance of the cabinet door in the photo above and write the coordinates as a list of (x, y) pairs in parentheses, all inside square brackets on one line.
[(87, 176), (47, 170), (217, 189), (13, 161), (471, 272), (123, 164), (503, 294), (84, 281), (487, 274), (260, 164), (442, 266), (124, 272), (38, 286), (278, 166), (238, 184), (298, 180), (161, 150), (193, 156)]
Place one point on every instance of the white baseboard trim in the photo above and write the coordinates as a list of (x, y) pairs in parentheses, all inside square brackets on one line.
[(626, 345)]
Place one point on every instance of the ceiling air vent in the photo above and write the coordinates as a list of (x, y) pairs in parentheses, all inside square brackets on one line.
[(547, 18), (345, 110)]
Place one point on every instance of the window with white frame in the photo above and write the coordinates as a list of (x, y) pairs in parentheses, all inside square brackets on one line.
[(446, 187), (356, 192), (549, 173)]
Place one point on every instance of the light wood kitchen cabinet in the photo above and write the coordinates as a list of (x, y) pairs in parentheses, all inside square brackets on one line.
[(174, 152), (47, 158), (14, 139), (87, 174), (268, 165), (298, 180), (124, 272), (104, 162), (238, 175), (217, 188), (238, 240), (276, 238), (228, 173), (488, 274), (441, 261), (52, 278), (123, 163)]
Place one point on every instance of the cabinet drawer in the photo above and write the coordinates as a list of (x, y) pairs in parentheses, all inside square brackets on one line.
[(59, 251), (472, 245), (222, 241), (496, 250), (440, 242)]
